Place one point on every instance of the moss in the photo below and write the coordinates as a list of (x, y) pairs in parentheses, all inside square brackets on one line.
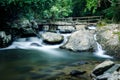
[(101, 23), (118, 33)]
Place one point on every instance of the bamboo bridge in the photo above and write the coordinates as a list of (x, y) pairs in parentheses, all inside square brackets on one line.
[(53, 24), (71, 21)]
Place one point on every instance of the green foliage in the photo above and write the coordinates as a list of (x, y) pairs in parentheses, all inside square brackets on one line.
[(91, 5), (111, 12), (34, 9), (40, 9), (78, 7), (60, 8), (101, 23)]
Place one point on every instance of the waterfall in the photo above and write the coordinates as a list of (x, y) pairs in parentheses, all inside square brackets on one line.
[(35, 43), (99, 51)]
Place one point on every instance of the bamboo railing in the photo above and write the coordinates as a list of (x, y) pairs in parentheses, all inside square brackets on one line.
[(71, 21)]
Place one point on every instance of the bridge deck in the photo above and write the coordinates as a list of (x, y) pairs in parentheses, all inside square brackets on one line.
[(72, 21)]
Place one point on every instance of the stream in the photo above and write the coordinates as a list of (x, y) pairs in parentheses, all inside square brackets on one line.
[(31, 59)]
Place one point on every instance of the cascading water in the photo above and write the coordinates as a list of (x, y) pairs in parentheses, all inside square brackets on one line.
[(99, 51), (36, 43)]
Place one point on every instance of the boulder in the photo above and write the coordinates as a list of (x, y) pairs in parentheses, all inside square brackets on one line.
[(35, 44), (25, 26), (34, 24), (101, 68), (114, 76), (80, 27), (81, 40), (109, 38), (52, 38), (77, 73), (80, 63), (111, 72), (2, 34), (66, 29), (5, 40)]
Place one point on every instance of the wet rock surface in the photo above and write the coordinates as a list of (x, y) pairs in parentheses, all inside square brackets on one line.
[(81, 40), (110, 73), (101, 68), (25, 27), (79, 63), (109, 37), (77, 73), (52, 38), (66, 29), (35, 44), (5, 40)]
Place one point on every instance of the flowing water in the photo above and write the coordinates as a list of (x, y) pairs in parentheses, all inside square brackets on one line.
[(99, 51), (30, 59)]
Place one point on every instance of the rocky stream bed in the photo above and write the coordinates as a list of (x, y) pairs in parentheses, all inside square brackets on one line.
[(81, 39)]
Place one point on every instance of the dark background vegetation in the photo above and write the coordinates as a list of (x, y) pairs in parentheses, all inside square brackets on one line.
[(11, 10)]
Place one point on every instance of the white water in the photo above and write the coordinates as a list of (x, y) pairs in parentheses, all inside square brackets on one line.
[(91, 27), (99, 51), (26, 43)]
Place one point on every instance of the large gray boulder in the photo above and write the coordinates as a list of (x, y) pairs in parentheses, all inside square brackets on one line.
[(5, 40), (111, 74), (52, 38), (66, 29), (81, 40), (107, 70), (101, 68), (25, 26), (109, 37)]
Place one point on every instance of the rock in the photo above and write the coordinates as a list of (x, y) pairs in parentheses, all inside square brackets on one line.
[(109, 37), (52, 38), (34, 75), (58, 67), (66, 29), (26, 27), (110, 73), (34, 24), (77, 73), (101, 68), (45, 28), (2, 34), (5, 40), (80, 27), (79, 63), (35, 44), (114, 76), (102, 77), (81, 40)]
